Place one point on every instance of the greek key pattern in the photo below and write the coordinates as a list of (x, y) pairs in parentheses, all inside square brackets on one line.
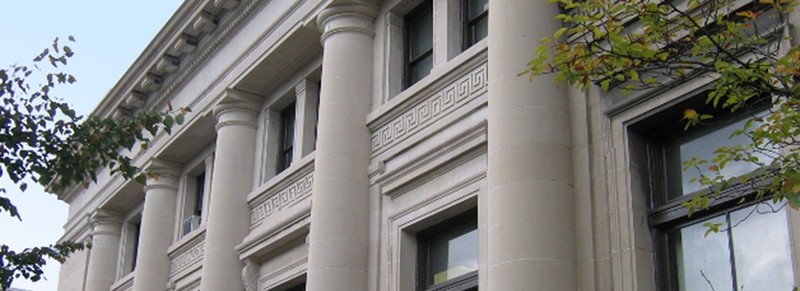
[(431, 109), (188, 258), (284, 198)]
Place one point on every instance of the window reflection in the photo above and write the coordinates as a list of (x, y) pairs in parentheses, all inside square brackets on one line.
[(453, 254), (701, 143), (754, 255)]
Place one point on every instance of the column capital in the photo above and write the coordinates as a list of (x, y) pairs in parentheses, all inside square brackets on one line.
[(101, 218), (237, 108), (304, 86), (161, 175), (351, 16)]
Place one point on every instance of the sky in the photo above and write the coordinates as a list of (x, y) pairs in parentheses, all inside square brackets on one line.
[(109, 35)]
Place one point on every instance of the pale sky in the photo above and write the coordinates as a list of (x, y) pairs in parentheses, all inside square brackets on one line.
[(110, 36)]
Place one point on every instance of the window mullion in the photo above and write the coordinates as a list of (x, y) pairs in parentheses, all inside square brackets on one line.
[(731, 253)]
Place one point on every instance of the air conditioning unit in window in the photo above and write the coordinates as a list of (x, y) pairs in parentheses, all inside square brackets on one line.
[(190, 223)]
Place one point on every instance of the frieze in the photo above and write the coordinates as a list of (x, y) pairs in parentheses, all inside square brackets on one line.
[(433, 108), (187, 258), (286, 197)]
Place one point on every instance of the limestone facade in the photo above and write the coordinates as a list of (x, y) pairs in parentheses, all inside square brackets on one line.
[(339, 145)]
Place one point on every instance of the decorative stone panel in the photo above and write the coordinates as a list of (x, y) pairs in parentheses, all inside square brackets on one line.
[(433, 108), (284, 198), (188, 256)]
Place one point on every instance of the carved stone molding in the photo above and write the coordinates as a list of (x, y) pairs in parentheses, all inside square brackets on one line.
[(125, 286), (187, 256), (250, 275), (284, 274), (431, 109), (456, 193), (242, 14), (237, 108), (164, 175), (106, 222), (286, 197), (420, 168), (349, 17)]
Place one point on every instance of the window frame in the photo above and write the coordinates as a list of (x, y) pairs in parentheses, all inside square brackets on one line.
[(467, 281), (666, 215), (409, 61), (468, 24), (286, 138)]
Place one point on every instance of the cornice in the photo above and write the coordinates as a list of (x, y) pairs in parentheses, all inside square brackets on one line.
[(188, 39)]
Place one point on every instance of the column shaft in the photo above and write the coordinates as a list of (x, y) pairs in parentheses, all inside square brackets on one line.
[(339, 215), (228, 214), (103, 255), (531, 219), (157, 226)]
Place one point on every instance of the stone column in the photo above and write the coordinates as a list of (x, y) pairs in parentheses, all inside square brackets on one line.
[(157, 227), (531, 217), (228, 214), (103, 256), (339, 238)]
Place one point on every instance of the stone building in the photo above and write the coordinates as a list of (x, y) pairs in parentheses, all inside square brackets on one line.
[(390, 145)]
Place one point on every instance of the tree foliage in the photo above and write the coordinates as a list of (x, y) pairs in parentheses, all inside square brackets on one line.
[(43, 140), (743, 46)]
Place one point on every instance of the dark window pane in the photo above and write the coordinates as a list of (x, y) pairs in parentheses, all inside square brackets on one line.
[(476, 8), (419, 43), (479, 30), (198, 195), (420, 32), (301, 287), (421, 69), (285, 154), (135, 251), (476, 21)]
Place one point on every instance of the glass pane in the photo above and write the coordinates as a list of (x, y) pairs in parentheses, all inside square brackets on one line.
[(420, 32), (701, 261), (479, 30), (761, 249), (421, 69), (701, 144), (476, 7), (453, 254)]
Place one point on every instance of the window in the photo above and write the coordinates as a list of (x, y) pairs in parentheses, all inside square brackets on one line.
[(753, 254), (137, 230), (753, 251), (419, 43), (476, 21), (301, 287), (196, 189), (448, 254), (285, 152), (200, 189), (130, 245)]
